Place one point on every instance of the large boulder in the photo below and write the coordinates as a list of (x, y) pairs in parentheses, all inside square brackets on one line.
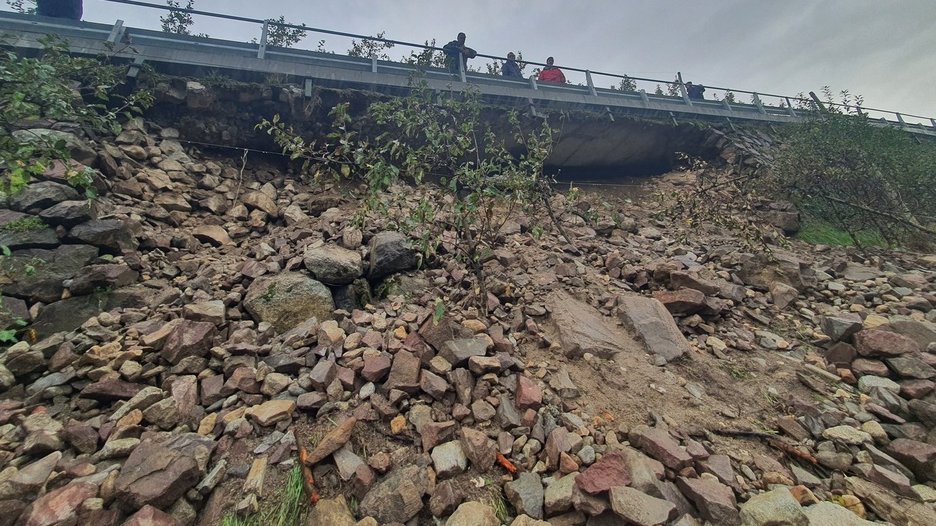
[(390, 252), (583, 329), (653, 325), (761, 271), (287, 299), (37, 274), (59, 506), (69, 213), (78, 149), (332, 264), (101, 277), (112, 235), (41, 195), (69, 314), (881, 343), (156, 475)]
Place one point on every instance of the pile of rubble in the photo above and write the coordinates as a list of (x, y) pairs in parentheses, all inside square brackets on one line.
[(199, 323)]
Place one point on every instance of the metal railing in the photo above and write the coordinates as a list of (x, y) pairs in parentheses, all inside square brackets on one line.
[(764, 103)]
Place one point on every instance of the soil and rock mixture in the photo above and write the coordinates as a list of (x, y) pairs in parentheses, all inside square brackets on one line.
[(201, 331)]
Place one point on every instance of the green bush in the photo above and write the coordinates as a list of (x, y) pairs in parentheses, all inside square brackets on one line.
[(59, 87), (442, 134), (859, 176)]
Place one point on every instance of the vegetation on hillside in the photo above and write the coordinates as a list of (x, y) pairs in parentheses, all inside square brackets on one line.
[(855, 181), (58, 87), (440, 134), (848, 171)]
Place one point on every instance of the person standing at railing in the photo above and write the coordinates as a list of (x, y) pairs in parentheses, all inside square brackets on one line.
[(551, 73), (457, 52), (60, 8), (695, 91), (511, 69)]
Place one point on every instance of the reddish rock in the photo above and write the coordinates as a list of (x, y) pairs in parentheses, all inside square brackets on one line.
[(434, 433), (433, 384), (714, 500), (189, 338), (242, 380), (110, 390), (681, 302), (609, 471), (560, 440), (864, 367), (155, 475), (332, 441), (720, 466), (362, 480), (841, 354), (150, 516), (404, 373), (920, 457), (376, 367), (60, 506), (684, 280), (529, 395), (916, 388), (877, 342), (211, 387), (445, 499), (81, 436), (323, 374), (658, 444), (480, 450)]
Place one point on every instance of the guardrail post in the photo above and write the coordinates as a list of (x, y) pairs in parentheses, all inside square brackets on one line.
[(685, 94), (307, 91), (759, 104), (726, 104), (461, 67), (644, 97), (789, 106), (591, 85), (261, 53), (135, 67), (533, 83), (933, 122), (117, 32), (900, 119)]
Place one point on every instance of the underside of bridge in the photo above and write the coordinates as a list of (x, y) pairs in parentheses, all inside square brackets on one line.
[(226, 114)]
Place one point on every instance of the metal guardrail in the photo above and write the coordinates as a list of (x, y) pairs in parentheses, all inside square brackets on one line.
[(155, 46)]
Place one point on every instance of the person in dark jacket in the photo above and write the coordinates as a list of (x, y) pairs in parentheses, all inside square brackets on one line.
[(695, 91), (457, 50), (511, 69), (551, 73), (60, 8)]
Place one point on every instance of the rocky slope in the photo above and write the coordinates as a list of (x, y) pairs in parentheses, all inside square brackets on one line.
[(195, 326)]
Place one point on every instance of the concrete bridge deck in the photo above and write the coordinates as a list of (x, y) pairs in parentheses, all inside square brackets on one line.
[(189, 55)]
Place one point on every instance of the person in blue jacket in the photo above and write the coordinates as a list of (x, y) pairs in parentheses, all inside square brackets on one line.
[(60, 8), (510, 68)]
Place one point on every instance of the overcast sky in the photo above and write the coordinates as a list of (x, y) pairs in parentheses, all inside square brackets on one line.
[(884, 50)]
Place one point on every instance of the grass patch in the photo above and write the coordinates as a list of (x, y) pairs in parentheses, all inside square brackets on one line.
[(288, 511), (24, 224), (821, 233), (496, 500)]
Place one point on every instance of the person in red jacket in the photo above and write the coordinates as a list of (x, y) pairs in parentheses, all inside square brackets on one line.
[(551, 73)]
